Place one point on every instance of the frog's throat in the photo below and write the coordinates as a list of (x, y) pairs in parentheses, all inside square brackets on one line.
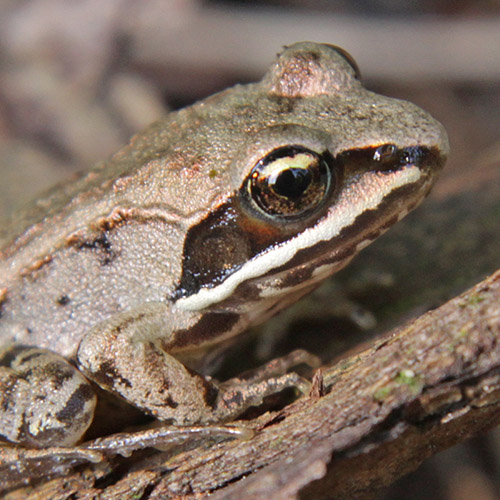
[(342, 215)]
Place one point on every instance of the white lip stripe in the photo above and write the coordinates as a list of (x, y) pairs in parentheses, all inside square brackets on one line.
[(351, 203)]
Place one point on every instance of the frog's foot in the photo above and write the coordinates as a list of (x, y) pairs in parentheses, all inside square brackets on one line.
[(44, 400), (249, 389), (20, 465), (280, 366), (164, 437), (124, 355)]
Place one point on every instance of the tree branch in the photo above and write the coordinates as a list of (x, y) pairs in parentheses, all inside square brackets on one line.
[(370, 418)]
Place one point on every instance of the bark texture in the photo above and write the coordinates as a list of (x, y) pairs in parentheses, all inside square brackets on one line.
[(369, 419)]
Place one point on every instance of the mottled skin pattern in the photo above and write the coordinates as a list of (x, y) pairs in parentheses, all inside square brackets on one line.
[(141, 270)]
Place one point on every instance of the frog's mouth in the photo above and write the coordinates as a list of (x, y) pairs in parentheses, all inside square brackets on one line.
[(367, 205)]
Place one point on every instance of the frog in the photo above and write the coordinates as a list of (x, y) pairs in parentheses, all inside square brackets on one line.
[(135, 277)]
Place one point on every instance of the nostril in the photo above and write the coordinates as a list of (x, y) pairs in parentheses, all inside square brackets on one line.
[(389, 158), (385, 153)]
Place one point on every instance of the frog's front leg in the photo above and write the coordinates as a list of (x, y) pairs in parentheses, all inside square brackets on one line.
[(44, 400), (127, 355)]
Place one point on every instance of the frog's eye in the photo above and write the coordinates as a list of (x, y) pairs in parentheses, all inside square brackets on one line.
[(290, 181)]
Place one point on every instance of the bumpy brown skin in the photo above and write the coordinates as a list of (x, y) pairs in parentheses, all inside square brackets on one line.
[(102, 271)]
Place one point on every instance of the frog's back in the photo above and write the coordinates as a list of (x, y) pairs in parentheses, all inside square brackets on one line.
[(91, 246), (104, 241)]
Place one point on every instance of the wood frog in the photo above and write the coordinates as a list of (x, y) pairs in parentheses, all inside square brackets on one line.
[(137, 275)]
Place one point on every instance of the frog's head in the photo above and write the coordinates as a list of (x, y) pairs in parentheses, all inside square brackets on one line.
[(333, 169)]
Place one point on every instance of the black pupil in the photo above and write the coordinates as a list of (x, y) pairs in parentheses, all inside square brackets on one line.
[(292, 182)]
